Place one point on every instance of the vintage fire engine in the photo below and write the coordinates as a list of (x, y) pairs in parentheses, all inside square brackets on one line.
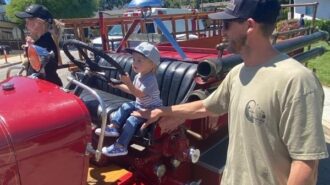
[(46, 132)]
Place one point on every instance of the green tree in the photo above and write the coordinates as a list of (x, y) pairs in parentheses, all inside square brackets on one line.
[(107, 4), (60, 8), (286, 1), (110, 4), (171, 4)]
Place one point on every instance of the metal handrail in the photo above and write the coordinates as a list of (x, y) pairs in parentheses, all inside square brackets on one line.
[(98, 151), (21, 68)]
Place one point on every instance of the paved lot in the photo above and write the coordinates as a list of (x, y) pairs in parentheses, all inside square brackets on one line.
[(17, 58)]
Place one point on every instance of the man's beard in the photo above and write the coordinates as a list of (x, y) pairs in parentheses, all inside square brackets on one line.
[(235, 45)]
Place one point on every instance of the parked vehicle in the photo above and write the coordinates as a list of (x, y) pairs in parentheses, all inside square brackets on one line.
[(65, 37), (46, 132), (116, 32)]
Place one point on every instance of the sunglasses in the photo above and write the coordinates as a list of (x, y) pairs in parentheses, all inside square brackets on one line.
[(226, 23)]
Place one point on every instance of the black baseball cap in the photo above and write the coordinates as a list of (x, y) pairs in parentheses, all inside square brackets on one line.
[(36, 10), (262, 11)]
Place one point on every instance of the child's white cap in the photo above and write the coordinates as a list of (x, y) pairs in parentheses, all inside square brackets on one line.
[(148, 50)]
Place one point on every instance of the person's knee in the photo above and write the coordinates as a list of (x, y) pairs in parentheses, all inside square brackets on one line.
[(127, 106), (134, 121)]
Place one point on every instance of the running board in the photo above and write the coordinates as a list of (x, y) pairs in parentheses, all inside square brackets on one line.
[(212, 162)]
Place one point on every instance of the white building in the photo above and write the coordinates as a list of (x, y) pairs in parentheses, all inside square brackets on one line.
[(7, 36), (322, 9), (2, 11)]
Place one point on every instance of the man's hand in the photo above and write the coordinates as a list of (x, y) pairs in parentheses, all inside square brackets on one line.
[(167, 123), (114, 85), (29, 40), (173, 116), (150, 115)]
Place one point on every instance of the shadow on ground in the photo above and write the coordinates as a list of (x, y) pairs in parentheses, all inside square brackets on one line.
[(324, 169)]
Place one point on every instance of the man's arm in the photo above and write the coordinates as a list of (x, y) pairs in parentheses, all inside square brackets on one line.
[(192, 110), (303, 172)]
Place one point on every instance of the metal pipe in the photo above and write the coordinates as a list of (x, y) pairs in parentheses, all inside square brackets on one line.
[(284, 46), (300, 42), (299, 30), (98, 151), (207, 69), (299, 4), (20, 68), (303, 57)]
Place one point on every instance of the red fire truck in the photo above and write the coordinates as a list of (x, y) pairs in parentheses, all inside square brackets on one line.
[(46, 132)]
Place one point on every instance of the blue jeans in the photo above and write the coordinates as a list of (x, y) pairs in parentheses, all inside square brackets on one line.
[(123, 119)]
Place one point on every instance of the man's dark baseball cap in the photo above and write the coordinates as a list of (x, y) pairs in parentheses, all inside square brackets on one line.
[(262, 11), (36, 10)]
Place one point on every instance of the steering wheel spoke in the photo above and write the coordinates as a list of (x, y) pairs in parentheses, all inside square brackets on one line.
[(109, 68)]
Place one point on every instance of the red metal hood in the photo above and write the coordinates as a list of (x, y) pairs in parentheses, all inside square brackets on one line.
[(6, 149), (46, 127), (9, 169), (35, 106)]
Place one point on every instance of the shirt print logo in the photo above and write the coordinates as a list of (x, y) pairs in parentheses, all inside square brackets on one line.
[(253, 113)]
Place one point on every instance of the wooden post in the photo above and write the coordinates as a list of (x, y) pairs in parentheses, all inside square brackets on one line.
[(5, 54), (173, 27), (186, 26)]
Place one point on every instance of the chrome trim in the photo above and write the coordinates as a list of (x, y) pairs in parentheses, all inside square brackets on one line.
[(98, 151), (21, 68)]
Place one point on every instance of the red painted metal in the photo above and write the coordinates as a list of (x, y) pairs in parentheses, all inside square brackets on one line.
[(208, 176), (126, 179), (129, 32), (193, 53), (103, 33), (8, 169), (47, 129), (193, 56)]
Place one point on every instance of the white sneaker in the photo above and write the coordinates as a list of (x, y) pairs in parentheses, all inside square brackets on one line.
[(109, 132), (114, 150)]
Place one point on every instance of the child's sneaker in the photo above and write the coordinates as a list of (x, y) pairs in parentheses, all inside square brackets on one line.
[(109, 132), (114, 150)]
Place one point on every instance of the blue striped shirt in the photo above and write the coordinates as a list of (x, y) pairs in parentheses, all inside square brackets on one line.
[(149, 86)]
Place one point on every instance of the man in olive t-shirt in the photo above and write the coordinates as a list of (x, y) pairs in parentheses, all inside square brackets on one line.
[(272, 122), (274, 104)]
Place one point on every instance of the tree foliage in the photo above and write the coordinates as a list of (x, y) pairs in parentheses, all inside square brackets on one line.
[(172, 4), (110, 4), (197, 3), (60, 8)]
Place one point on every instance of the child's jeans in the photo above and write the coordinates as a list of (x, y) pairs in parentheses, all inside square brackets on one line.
[(123, 119)]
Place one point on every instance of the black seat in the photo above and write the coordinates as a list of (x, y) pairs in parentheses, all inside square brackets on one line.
[(175, 81)]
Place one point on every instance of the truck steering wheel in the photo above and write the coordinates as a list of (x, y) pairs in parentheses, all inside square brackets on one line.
[(92, 64)]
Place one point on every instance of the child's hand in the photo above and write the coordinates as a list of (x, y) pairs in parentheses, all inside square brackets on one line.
[(29, 40), (113, 85), (126, 79)]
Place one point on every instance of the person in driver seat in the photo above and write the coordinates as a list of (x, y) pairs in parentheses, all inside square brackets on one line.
[(39, 23), (145, 88)]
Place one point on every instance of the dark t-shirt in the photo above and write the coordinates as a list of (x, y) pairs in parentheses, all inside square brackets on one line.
[(46, 41)]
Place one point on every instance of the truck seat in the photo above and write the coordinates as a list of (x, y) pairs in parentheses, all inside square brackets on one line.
[(175, 80)]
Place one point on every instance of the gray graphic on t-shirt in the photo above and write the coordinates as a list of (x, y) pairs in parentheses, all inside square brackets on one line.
[(253, 113)]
